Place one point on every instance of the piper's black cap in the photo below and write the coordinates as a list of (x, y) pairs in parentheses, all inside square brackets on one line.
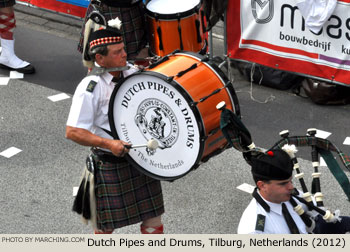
[(102, 37), (272, 165)]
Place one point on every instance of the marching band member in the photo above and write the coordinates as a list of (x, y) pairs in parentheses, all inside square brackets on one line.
[(8, 58), (131, 13), (123, 196), (274, 210)]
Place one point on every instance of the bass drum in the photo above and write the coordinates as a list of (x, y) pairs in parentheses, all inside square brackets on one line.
[(175, 25), (173, 101)]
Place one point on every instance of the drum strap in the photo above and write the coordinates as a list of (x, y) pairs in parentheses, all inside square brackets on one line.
[(115, 80), (107, 131)]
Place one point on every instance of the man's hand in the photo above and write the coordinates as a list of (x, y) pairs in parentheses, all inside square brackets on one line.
[(118, 148), (86, 138)]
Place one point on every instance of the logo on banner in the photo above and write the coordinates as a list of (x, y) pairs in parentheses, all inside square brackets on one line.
[(262, 10), (155, 119)]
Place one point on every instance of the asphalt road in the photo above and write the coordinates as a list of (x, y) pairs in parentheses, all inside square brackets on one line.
[(36, 185)]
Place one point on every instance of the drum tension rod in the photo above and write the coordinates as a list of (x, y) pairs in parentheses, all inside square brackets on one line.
[(213, 131), (213, 93), (165, 58), (179, 30), (198, 26), (194, 66), (181, 73), (159, 31)]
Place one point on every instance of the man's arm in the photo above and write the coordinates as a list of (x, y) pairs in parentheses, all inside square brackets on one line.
[(86, 138)]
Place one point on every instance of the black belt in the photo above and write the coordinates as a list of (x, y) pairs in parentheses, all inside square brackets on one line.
[(108, 157)]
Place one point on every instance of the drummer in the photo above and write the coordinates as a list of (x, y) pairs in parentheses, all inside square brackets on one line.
[(124, 196)]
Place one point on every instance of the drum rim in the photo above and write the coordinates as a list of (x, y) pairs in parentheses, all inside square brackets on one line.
[(194, 109), (173, 16)]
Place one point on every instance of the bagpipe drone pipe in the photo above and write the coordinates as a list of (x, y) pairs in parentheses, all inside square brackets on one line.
[(314, 214), (322, 220)]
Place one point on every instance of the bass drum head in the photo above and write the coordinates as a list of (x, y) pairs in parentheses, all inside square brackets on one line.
[(167, 7), (145, 106)]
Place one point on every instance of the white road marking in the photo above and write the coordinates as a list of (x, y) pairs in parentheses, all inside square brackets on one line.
[(322, 134), (322, 162), (246, 188), (58, 97), (16, 75), (4, 81), (75, 191), (10, 152), (347, 141)]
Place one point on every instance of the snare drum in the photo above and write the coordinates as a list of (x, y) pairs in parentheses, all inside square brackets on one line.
[(175, 25), (163, 102)]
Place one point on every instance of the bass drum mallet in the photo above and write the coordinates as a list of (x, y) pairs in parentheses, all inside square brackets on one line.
[(152, 144)]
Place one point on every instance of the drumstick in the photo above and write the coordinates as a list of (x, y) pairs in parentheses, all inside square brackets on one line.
[(151, 144)]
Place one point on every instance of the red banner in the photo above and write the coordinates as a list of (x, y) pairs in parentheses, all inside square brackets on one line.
[(273, 33), (59, 6)]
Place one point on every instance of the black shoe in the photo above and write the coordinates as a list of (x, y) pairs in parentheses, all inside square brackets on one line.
[(25, 70)]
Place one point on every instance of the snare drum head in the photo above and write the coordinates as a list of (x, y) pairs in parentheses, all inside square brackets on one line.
[(171, 6), (146, 107)]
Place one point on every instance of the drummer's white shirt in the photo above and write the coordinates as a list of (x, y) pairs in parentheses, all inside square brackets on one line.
[(274, 220), (89, 110)]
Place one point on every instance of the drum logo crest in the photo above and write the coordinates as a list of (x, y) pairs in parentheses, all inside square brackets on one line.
[(155, 119)]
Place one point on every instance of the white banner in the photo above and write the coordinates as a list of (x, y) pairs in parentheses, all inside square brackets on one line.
[(277, 32)]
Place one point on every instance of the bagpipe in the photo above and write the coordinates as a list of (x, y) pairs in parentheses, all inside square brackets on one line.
[(316, 217)]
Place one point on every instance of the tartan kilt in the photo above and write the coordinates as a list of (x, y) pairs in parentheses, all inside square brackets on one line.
[(7, 3), (133, 26), (124, 196)]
